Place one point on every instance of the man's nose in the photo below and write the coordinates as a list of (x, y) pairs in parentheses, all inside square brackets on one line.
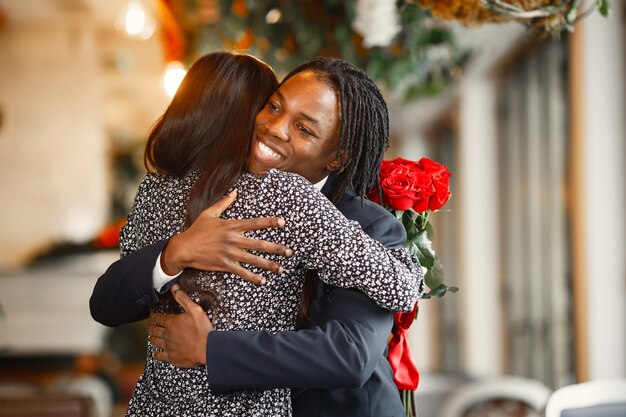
[(278, 127)]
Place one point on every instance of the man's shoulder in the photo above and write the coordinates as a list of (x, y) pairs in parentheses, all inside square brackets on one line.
[(375, 220), (356, 208)]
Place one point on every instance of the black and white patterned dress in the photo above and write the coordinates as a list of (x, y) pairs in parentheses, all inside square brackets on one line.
[(322, 239)]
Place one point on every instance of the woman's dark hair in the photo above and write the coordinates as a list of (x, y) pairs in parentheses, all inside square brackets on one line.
[(364, 137), (364, 131), (209, 124), (207, 128)]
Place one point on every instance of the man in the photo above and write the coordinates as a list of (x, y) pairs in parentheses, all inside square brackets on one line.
[(337, 365)]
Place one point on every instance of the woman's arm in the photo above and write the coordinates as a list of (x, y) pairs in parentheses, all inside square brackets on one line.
[(342, 253)]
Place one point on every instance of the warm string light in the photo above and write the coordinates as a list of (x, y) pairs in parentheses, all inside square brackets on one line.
[(174, 74), (137, 20)]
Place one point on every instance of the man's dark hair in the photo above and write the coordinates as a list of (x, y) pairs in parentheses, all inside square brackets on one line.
[(363, 137), (364, 129)]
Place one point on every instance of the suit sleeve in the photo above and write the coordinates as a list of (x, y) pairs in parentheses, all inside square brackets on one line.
[(124, 292), (341, 352)]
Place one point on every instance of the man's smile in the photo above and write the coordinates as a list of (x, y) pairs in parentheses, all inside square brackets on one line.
[(266, 152)]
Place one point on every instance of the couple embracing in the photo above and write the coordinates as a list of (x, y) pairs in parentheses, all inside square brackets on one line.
[(268, 277)]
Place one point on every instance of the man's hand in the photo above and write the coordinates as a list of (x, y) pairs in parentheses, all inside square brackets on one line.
[(181, 337), (214, 244)]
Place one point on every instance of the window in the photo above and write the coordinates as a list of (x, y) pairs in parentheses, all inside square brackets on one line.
[(536, 272)]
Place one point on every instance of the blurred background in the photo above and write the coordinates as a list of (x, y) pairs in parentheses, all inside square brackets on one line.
[(525, 108)]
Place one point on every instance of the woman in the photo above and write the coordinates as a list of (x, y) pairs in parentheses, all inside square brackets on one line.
[(210, 163)]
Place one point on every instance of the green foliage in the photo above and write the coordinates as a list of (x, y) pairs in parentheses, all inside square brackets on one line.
[(419, 243), (422, 59), (604, 7)]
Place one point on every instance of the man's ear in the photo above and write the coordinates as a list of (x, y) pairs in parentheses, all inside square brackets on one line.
[(338, 162), (334, 165)]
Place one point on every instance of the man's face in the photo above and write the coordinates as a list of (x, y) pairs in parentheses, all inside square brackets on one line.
[(298, 129)]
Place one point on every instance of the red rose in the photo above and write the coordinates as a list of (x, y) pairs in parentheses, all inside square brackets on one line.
[(422, 185), (398, 184), (440, 177), (405, 162), (386, 167), (398, 193), (441, 195)]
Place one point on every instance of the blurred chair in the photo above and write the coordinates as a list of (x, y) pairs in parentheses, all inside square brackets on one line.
[(93, 388), (47, 405), (602, 398), (73, 396), (506, 396), (434, 389)]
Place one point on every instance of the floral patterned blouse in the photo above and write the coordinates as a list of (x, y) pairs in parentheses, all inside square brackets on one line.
[(321, 238)]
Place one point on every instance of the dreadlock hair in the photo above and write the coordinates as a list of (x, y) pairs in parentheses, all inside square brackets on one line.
[(363, 138), (208, 128), (364, 130)]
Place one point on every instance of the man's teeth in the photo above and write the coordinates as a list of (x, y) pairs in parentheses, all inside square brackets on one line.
[(267, 151)]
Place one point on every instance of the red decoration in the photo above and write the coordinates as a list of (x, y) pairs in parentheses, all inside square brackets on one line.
[(109, 236), (174, 42), (405, 373)]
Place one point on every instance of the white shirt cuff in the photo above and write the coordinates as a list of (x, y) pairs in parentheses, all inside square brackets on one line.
[(159, 277)]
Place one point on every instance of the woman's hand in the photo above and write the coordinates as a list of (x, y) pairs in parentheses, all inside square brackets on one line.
[(214, 244)]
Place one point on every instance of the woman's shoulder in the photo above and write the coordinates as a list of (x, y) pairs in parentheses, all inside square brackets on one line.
[(155, 181), (293, 190), (163, 190), (288, 180)]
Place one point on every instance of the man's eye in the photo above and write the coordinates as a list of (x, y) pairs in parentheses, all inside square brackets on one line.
[(305, 131)]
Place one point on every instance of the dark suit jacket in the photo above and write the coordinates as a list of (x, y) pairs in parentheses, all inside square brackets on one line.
[(337, 366)]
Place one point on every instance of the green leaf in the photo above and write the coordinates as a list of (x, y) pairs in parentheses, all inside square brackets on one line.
[(434, 276), (604, 7), (425, 246), (399, 214), (572, 14), (412, 247), (424, 260), (440, 291), (429, 229), (408, 221)]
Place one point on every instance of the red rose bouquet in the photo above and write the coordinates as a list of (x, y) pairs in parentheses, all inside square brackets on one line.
[(412, 190)]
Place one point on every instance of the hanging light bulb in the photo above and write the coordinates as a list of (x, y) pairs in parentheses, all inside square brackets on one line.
[(273, 16), (174, 74), (137, 20)]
